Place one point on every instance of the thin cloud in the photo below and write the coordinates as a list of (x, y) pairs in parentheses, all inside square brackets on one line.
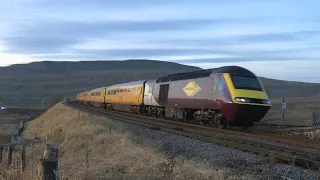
[(202, 33)]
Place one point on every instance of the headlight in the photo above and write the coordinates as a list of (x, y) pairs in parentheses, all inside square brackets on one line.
[(238, 99), (265, 101)]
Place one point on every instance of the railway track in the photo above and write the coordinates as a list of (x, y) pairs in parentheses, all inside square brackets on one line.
[(280, 126), (282, 149)]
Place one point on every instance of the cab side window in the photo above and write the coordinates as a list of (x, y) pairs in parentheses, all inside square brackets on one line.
[(221, 83)]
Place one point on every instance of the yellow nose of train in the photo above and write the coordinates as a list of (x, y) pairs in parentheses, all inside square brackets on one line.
[(249, 100)]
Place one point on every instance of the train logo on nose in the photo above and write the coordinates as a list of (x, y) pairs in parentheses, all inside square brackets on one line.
[(191, 88)]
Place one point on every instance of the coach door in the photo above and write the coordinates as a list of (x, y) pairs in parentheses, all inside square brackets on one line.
[(163, 93)]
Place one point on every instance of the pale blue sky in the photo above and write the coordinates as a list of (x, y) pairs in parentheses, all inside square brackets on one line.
[(276, 39)]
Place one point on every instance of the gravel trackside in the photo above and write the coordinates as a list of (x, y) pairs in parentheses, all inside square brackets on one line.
[(220, 157)]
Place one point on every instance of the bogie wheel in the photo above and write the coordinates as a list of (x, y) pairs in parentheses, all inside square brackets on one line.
[(221, 124), (220, 121)]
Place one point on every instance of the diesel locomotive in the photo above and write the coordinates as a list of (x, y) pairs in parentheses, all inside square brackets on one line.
[(224, 96)]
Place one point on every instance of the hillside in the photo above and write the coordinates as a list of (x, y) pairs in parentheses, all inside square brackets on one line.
[(65, 79)]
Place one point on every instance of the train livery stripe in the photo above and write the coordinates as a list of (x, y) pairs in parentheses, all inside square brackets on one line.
[(230, 86), (243, 92)]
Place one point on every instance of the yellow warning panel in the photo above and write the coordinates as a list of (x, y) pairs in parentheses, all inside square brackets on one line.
[(191, 88)]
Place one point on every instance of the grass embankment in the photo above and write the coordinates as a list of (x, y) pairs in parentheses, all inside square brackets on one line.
[(95, 147)]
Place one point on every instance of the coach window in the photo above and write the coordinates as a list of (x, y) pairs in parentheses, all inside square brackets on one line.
[(129, 89), (114, 92), (117, 90), (121, 90), (108, 92), (134, 89), (124, 90)]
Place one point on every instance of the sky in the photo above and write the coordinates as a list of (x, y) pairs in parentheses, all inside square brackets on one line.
[(272, 38)]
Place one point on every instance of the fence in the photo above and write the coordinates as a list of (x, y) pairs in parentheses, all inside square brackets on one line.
[(48, 164)]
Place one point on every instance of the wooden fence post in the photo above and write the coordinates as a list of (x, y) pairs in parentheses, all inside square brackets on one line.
[(1, 152), (23, 157), (9, 156), (48, 165)]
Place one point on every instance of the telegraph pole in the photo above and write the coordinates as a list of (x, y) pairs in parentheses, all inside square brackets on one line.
[(42, 103), (284, 107)]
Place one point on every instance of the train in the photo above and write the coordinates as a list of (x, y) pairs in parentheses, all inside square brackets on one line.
[(224, 96)]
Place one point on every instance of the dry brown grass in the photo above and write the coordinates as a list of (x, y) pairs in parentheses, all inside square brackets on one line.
[(92, 147)]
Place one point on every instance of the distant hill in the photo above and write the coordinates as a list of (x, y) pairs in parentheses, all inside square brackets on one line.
[(59, 79), (65, 67)]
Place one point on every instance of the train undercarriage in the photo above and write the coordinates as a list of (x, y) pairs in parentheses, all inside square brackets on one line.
[(201, 116)]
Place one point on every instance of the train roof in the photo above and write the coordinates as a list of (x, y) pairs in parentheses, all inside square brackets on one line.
[(128, 84), (83, 92), (205, 73), (98, 89)]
